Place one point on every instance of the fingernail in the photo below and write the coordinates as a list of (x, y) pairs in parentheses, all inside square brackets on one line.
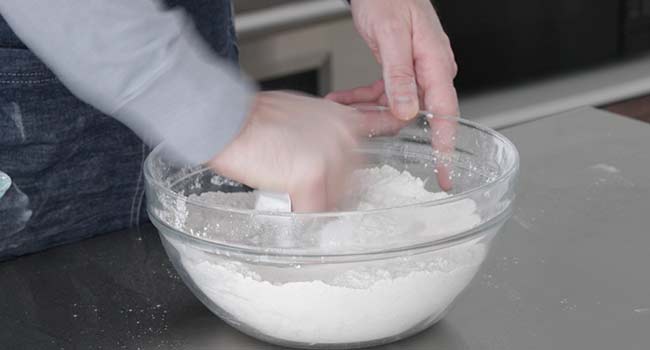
[(405, 106)]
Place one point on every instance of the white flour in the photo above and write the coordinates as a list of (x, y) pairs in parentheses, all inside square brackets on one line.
[(348, 302)]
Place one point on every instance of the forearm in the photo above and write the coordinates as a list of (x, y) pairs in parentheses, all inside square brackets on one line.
[(145, 66)]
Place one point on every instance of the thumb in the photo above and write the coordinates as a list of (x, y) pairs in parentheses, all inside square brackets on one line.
[(396, 52)]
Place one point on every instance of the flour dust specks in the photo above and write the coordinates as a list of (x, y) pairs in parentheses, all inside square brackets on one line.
[(610, 169)]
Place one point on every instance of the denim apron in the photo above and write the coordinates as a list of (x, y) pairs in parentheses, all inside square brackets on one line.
[(76, 172)]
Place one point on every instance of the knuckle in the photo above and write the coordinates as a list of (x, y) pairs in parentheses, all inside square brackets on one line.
[(454, 68), (445, 108), (389, 27), (401, 71), (349, 140)]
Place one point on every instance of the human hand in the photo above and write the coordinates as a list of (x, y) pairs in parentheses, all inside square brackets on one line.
[(299, 145), (418, 67)]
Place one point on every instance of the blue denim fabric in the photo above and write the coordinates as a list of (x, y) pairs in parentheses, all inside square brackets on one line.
[(77, 170)]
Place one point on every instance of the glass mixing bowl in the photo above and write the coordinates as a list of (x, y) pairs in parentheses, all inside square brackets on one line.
[(377, 276)]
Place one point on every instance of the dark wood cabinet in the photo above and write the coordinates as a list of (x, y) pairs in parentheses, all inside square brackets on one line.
[(505, 41), (635, 108)]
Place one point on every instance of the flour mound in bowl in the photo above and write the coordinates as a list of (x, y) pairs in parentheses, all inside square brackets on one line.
[(369, 189)]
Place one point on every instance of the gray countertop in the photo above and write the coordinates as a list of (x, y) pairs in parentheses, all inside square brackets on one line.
[(595, 86), (570, 271)]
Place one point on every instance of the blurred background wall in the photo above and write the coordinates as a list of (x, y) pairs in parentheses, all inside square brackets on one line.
[(311, 45)]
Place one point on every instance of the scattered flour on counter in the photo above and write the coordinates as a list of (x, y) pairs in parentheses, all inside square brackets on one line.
[(606, 168), (347, 302)]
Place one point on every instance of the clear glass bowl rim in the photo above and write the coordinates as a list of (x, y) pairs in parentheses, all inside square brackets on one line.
[(293, 256), (510, 171)]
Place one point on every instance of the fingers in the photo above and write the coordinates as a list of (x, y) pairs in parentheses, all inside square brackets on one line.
[(396, 51), (434, 63), (364, 94), (322, 187), (442, 100), (443, 175), (443, 140), (436, 70), (309, 193), (378, 122), (343, 161), (383, 100)]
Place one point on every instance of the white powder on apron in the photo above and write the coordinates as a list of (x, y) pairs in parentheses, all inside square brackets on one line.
[(348, 302)]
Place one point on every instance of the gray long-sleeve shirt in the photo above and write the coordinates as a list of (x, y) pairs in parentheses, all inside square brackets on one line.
[(141, 64)]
